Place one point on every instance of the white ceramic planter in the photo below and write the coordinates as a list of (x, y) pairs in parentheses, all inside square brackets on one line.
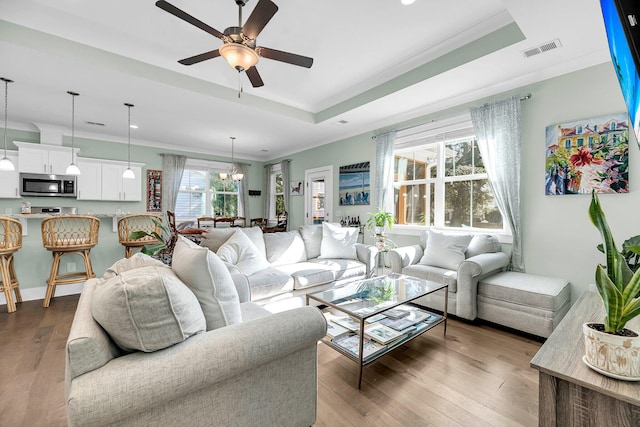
[(612, 355)]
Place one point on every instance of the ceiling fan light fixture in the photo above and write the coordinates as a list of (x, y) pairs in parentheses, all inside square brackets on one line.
[(239, 56)]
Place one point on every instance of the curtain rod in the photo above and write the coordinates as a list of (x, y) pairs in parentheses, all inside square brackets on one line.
[(273, 164), (522, 98)]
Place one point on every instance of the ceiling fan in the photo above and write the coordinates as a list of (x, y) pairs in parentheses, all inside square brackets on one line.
[(239, 48)]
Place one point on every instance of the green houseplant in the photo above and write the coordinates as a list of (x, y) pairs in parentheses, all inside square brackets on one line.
[(165, 240), (610, 347), (380, 219)]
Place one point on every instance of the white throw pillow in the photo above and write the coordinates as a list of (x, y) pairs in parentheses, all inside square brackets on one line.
[(136, 261), (445, 250), (482, 244), (241, 252), (285, 248), (338, 241), (147, 309), (312, 236), (207, 276)]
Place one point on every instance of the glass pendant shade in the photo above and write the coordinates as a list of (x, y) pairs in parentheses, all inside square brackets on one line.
[(239, 56), (73, 169), (128, 173), (5, 163)]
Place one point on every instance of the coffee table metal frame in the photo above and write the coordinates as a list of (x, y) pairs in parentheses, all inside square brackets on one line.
[(397, 300)]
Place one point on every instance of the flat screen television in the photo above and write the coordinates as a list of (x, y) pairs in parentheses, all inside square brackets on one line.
[(623, 35)]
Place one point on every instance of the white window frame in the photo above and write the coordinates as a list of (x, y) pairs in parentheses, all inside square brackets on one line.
[(275, 170), (440, 133), (209, 167)]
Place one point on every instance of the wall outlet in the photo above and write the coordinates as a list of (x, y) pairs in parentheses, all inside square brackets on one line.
[(71, 267)]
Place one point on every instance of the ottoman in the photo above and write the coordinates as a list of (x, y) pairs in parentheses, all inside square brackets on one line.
[(526, 302)]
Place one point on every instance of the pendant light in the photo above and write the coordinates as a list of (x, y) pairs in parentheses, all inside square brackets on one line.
[(5, 163), (128, 173), (232, 172), (73, 169)]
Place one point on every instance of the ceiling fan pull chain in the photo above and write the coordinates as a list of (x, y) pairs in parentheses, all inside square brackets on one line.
[(239, 85)]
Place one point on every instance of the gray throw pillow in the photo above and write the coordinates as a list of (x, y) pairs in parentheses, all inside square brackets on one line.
[(482, 244), (147, 309), (285, 248), (209, 279), (445, 250)]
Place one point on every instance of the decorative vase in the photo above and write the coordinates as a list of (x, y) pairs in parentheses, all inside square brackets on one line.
[(380, 241), (612, 355)]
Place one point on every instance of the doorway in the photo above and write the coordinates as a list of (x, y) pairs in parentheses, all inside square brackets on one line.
[(318, 200)]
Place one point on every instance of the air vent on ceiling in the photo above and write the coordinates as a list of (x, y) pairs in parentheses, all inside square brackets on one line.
[(545, 47), (94, 123)]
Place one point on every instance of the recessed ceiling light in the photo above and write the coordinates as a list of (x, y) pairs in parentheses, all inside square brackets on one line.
[(265, 151), (407, 2), (133, 126), (94, 123), (341, 122)]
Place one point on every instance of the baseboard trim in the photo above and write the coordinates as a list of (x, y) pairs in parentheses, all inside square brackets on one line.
[(38, 293)]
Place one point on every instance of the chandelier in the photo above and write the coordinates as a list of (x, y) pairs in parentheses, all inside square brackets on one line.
[(232, 173)]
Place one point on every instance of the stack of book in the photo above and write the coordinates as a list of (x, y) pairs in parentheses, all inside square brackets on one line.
[(380, 331)]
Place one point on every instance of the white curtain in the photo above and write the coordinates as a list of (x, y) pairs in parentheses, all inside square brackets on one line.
[(383, 183), (172, 169), (497, 128), (284, 170), (243, 199), (267, 190)]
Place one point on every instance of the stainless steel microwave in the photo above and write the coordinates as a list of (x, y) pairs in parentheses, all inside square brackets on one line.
[(47, 185)]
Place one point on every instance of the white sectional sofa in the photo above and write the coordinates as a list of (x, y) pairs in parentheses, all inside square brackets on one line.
[(276, 265)]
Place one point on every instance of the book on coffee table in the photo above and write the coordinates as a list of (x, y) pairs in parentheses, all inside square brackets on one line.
[(335, 331), (381, 333), (397, 324), (352, 345), (395, 313), (347, 322)]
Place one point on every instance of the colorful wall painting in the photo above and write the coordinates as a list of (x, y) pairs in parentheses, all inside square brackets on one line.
[(585, 155)]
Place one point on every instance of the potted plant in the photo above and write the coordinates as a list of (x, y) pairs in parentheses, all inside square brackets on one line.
[(377, 222), (610, 348), (162, 247)]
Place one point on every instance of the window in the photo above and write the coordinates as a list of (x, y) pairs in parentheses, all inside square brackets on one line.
[(203, 193), (440, 180), (276, 192)]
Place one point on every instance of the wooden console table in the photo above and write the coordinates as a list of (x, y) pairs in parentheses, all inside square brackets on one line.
[(572, 394)]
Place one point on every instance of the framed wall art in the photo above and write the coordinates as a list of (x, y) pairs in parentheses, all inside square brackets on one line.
[(296, 188), (154, 190), (586, 155), (354, 186)]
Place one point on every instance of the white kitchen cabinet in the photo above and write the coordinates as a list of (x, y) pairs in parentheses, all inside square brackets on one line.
[(115, 187), (38, 158), (89, 183), (10, 181)]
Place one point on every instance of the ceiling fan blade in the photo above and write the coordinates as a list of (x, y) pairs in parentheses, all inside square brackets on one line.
[(254, 77), (188, 18), (289, 58), (261, 15), (199, 58)]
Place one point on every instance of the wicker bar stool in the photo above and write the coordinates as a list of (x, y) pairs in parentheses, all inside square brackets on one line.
[(137, 222), (10, 242), (66, 235)]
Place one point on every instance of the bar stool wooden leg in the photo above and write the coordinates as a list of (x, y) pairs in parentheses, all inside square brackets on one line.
[(87, 264), (14, 277), (5, 262), (51, 283)]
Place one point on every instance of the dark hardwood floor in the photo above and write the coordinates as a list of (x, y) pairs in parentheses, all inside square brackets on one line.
[(475, 376)]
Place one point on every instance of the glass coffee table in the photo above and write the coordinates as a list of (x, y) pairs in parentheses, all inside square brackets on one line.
[(380, 307)]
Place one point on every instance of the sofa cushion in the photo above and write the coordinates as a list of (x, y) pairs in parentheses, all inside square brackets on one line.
[(216, 237), (206, 275), (482, 244), (445, 250), (147, 309), (525, 289), (435, 274), (269, 282), (338, 241), (285, 248), (342, 268), (241, 252), (136, 261), (312, 237)]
